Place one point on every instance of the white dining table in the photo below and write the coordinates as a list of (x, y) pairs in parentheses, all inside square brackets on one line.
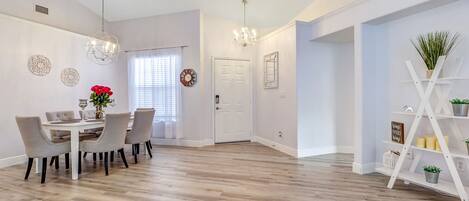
[(75, 128)]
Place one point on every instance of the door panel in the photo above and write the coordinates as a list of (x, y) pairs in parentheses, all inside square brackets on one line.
[(233, 110)]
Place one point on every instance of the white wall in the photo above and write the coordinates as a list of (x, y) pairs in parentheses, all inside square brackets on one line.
[(27, 94), (276, 108), (325, 95), (344, 99), (69, 15), (319, 8), (315, 85)]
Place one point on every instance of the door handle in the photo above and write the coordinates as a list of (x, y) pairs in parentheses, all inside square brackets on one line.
[(217, 99), (217, 108)]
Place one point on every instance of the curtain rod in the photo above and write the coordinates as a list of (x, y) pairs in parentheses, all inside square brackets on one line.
[(156, 48)]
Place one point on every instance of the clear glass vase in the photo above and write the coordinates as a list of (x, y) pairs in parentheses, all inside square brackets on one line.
[(99, 112)]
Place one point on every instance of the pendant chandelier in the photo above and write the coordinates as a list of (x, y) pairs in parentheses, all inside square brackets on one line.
[(104, 47), (245, 36)]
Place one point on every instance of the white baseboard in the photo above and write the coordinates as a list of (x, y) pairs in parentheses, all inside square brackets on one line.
[(316, 151), (345, 149), (364, 168), (10, 161), (277, 146), (325, 150), (182, 142)]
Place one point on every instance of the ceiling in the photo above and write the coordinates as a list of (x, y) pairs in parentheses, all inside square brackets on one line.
[(260, 13)]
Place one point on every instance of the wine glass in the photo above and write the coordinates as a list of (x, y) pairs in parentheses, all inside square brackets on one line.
[(83, 103)]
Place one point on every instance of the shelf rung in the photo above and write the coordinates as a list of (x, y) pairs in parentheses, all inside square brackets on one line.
[(455, 155), (419, 179), (438, 116)]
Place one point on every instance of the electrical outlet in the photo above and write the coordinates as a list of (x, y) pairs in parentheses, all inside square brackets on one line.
[(460, 165), (280, 134)]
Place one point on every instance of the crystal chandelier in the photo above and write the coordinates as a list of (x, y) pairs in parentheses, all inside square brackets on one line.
[(245, 36), (104, 47)]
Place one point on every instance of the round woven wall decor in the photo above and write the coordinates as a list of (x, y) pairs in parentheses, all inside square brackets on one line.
[(70, 77), (39, 65)]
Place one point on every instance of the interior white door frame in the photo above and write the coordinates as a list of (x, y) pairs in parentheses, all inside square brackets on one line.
[(212, 95)]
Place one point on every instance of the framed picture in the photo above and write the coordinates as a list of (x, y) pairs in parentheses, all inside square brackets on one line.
[(271, 71), (397, 132)]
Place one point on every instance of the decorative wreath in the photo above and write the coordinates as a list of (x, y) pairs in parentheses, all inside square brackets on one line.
[(188, 77)]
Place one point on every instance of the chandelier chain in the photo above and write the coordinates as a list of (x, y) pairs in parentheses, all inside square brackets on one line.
[(102, 15), (244, 16)]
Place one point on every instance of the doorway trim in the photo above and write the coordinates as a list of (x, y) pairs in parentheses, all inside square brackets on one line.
[(212, 95)]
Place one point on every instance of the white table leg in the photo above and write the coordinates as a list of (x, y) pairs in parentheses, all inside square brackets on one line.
[(38, 165), (74, 140)]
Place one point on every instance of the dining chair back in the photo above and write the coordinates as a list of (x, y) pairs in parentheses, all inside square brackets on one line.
[(38, 145), (58, 135), (35, 139), (113, 136), (142, 127), (141, 132), (145, 108), (89, 114), (60, 116)]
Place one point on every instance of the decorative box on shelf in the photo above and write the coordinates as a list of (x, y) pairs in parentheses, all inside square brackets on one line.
[(390, 159)]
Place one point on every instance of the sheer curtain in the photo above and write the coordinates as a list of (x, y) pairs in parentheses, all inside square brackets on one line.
[(154, 83)]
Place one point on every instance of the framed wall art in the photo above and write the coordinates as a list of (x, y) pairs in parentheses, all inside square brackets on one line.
[(397, 132), (271, 74)]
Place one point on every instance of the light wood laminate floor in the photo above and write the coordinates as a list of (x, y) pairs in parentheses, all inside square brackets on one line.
[(241, 171)]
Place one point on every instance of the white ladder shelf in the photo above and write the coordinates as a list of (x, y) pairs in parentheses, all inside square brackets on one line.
[(425, 110)]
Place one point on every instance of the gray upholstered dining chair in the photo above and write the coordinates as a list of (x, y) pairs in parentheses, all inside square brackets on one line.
[(141, 131), (61, 136), (38, 145), (147, 108), (112, 138), (88, 114), (60, 116)]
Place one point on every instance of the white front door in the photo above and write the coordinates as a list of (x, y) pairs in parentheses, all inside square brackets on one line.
[(232, 100)]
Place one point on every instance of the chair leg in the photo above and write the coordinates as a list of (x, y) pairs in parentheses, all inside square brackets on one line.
[(136, 153), (52, 159), (44, 170), (112, 156), (56, 162), (67, 160), (28, 170), (106, 165), (149, 142), (138, 148), (133, 149), (148, 149), (121, 151), (79, 162), (84, 155), (94, 157), (101, 156)]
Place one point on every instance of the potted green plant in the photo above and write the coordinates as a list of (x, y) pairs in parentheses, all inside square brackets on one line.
[(432, 45), (432, 173), (460, 107)]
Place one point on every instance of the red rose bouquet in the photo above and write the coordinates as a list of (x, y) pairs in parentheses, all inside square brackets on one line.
[(100, 97)]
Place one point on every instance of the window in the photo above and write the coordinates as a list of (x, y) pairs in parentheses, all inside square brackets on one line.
[(153, 83)]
